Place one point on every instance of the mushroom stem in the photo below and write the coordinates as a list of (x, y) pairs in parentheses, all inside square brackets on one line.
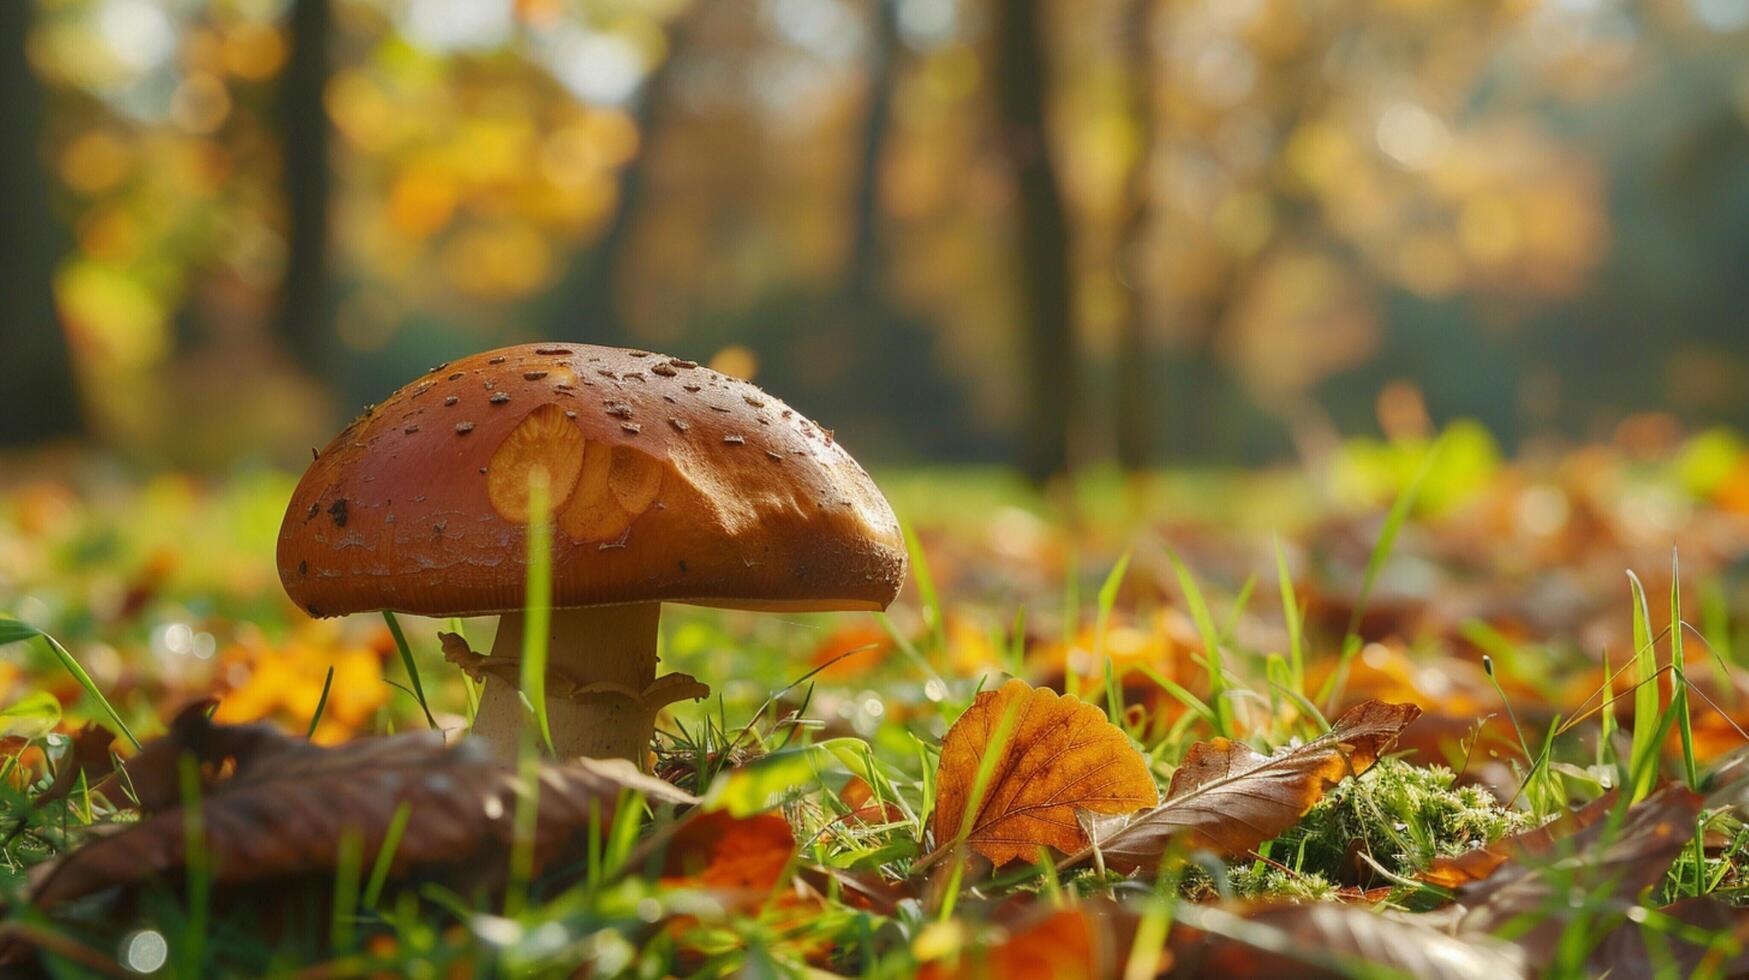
[(600, 660)]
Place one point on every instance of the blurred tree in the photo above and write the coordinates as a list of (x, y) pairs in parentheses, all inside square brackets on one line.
[(862, 292), (1136, 404), (35, 371), (587, 303), (1041, 255), (307, 304)]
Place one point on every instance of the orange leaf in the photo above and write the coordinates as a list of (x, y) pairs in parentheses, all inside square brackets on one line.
[(860, 797), (851, 652), (1061, 944), (1061, 756), (718, 851)]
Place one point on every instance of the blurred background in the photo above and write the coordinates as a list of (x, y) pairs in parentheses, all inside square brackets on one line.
[(1035, 233)]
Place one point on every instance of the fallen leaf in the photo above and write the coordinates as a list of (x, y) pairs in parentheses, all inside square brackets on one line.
[(864, 808), (1045, 944), (721, 852), (89, 754), (1229, 798), (1453, 871), (851, 651), (152, 775), (1653, 949), (1629, 856), (1061, 756), (287, 805), (1320, 939), (866, 890)]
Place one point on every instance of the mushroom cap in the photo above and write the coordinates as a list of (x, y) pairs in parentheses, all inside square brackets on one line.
[(668, 482)]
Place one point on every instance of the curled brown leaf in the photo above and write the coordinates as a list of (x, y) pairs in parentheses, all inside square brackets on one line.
[(1229, 798), (288, 804)]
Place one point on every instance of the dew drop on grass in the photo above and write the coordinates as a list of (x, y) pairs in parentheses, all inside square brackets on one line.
[(144, 951), (497, 930)]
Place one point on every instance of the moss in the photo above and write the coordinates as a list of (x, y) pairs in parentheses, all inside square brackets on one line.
[(1402, 815), (1252, 881), (1255, 881)]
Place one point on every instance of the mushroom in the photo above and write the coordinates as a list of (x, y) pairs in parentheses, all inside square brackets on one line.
[(669, 483)]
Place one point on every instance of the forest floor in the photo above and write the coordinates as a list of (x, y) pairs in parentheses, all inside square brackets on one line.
[(1416, 710)]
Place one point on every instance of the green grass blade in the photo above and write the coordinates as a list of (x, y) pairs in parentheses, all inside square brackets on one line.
[(379, 870), (321, 704), (14, 631), (469, 685), (1679, 677), (348, 861), (1398, 515), (932, 607), (1643, 753), (407, 662), (1241, 600), (197, 862), (1108, 591), (1606, 716), (1290, 614), (538, 603), (1178, 692), (1716, 622), (1072, 599), (1211, 641), (536, 619)]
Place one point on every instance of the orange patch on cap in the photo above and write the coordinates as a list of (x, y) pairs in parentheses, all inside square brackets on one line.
[(545, 439), (617, 484)]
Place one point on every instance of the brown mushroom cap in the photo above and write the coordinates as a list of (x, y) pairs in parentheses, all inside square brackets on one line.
[(670, 482)]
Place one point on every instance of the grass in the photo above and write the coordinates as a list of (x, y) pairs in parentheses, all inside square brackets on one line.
[(13, 631), (407, 661), (788, 734)]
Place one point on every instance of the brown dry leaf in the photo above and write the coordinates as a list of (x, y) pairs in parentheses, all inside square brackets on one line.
[(88, 754), (1229, 798), (1629, 856), (1322, 939), (866, 890), (1475, 865), (1061, 756), (152, 775), (287, 805), (1627, 952)]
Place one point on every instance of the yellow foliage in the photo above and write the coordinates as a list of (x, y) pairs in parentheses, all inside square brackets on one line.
[(284, 684)]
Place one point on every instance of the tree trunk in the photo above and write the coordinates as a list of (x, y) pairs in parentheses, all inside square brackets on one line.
[(861, 289), (307, 305), (35, 368), (1046, 287), (1136, 404), (586, 304)]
